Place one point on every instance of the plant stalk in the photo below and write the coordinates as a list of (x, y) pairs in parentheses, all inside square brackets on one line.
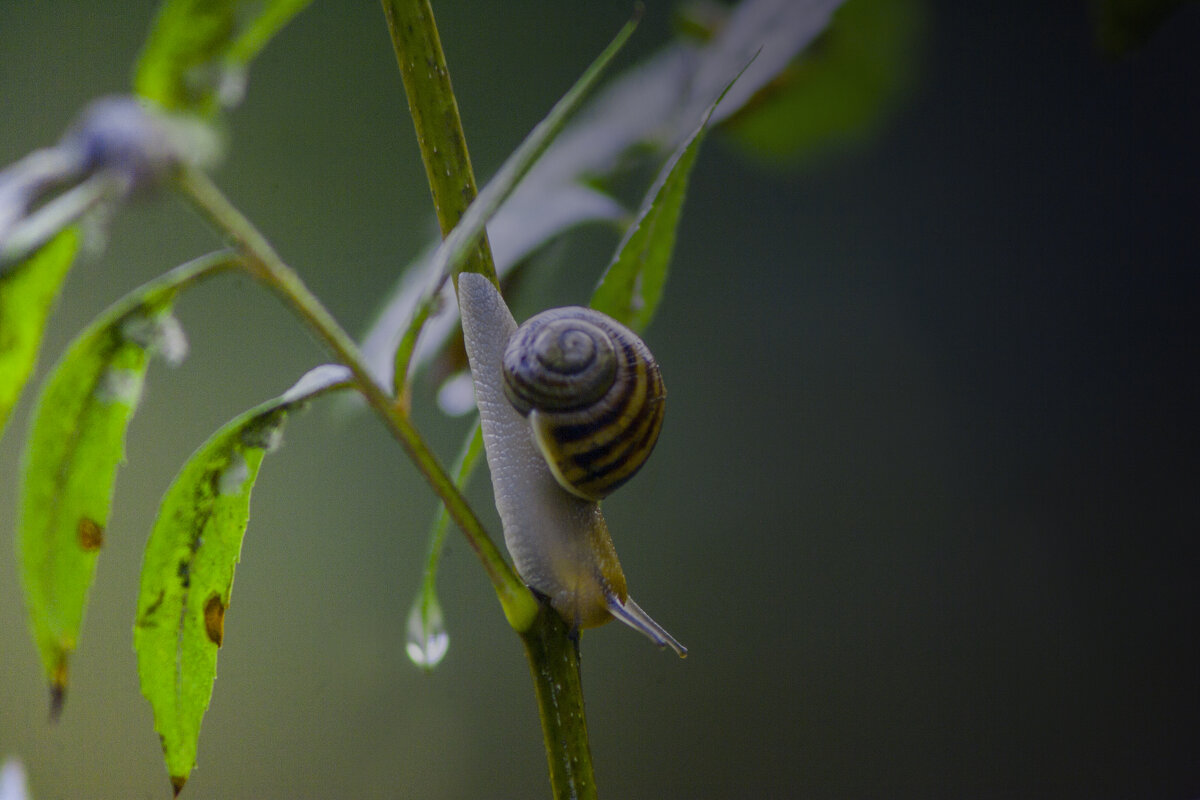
[(552, 650), (264, 264), (435, 116), (553, 654)]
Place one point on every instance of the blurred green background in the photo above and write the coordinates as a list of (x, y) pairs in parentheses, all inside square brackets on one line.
[(925, 506)]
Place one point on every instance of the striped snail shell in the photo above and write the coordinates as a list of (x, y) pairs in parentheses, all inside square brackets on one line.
[(593, 395)]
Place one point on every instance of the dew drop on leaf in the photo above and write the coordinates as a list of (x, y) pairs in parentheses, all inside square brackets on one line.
[(120, 386), (233, 478)]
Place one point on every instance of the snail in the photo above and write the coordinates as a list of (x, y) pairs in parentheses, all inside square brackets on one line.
[(571, 404)]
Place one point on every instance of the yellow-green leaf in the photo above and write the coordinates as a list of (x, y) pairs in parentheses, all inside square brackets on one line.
[(839, 91), (198, 49), (187, 573), (27, 293), (75, 444), (631, 287)]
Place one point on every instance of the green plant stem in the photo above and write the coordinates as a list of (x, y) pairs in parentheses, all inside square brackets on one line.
[(552, 651), (553, 654), (261, 261), (435, 116)]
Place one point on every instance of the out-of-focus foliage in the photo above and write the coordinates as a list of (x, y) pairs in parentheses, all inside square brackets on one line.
[(1124, 25), (632, 286), (198, 50), (841, 88), (27, 292)]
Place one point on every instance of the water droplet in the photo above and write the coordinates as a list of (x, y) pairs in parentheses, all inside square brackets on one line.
[(120, 386), (427, 640), (171, 343), (231, 86), (160, 333), (234, 476), (456, 397)]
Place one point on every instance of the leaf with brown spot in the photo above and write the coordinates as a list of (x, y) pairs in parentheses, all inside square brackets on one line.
[(187, 573), (75, 445)]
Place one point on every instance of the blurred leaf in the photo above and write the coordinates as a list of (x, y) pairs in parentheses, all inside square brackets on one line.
[(631, 287), (650, 109), (1125, 25), (75, 445), (197, 51), (841, 87), (187, 573), (262, 28), (27, 292)]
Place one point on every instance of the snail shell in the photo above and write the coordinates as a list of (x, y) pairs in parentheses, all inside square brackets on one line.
[(593, 395), (558, 540)]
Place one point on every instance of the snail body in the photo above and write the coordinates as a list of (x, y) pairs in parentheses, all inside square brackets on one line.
[(555, 531)]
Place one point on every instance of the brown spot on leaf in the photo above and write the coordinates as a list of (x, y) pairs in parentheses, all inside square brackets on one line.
[(214, 619), (91, 534), (177, 782)]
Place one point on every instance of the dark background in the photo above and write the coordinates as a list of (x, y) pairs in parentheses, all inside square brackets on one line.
[(924, 510)]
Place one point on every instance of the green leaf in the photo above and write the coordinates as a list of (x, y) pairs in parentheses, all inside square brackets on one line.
[(198, 49), (75, 444), (840, 90), (187, 573), (260, 30), (632, 286), (27, 292)]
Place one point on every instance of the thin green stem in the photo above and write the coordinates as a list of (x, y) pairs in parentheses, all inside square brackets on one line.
[(262, 262), (552, 650), (553, 654), (463, 469), (435, 116)]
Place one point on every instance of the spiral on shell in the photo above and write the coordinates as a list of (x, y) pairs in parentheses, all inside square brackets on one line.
[(593, 394)]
